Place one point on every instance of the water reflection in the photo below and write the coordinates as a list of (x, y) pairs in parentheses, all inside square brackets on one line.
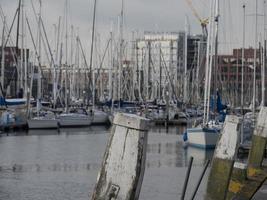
[(173, 154), (66, 162), (85, 130), (66, 131), (166, 148), (53, 167), (167, 130)]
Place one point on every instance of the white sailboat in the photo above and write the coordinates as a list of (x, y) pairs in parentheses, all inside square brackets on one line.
[(206, 135), (203, 137), (43, 120), (99, 117), (75, 119)]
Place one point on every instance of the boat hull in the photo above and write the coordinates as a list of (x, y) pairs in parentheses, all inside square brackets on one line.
[(205, 138), (74, 121), (100, 118), (42, 124), (110, 118)]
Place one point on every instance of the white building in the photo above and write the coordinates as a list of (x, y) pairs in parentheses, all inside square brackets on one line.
[(160, 64), (157, 64)]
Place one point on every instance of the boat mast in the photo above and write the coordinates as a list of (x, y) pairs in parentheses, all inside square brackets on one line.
[(110, 81), (133, 78), (17, 37), (242, 75), (215, 26), (72, 65), (91, 56), (57, 65), (26, 86), (17, 85), (138, 70), (148, 72), (66, 57), (121, 50), (255, 65), (263, 56), (209, 55), (39, 90), (207, 67), (3, 55), (216, 55), (160, 74), (185, 61), (197, 72), (22, 48), (24, 52), (77, 71)]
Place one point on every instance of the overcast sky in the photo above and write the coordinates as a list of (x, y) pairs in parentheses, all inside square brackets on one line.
[(140, 15)]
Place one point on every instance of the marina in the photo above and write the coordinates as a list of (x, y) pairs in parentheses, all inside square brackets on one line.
[(66, 164), (130, 103), (69, 161)]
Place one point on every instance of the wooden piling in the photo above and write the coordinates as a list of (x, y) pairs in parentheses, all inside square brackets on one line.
[(223, 159), (256, 173), (238, 178), (256, 154), (123, 166)]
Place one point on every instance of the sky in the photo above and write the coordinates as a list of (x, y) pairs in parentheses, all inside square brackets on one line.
[(143, 15)]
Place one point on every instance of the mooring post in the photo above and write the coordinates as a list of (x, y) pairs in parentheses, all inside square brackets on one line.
[(238, 178), (223, 159), (256, 173), (123, 166), (256, 154)]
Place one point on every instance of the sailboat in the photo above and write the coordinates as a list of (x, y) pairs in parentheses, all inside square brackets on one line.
[(43, 120), (99, 117), (206, 135), (75, 119)]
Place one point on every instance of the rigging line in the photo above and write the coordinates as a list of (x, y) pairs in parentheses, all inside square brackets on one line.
[(83, 54), (14, 55), (151, 60), (2, 17), (47, 42), (102, 61), (38, 56), (9, 33), (35, 15), (167, 73)]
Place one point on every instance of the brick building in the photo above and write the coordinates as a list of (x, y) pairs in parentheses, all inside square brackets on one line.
[(230, 76), (11, 71)]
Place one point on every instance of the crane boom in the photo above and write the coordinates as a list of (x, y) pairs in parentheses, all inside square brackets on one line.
[(190, 4), (203, 21)]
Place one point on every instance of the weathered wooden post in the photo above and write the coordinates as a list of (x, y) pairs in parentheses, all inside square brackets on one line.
[(256, 154), (223, 160), (238, 178), (256, 173), (123, 166)]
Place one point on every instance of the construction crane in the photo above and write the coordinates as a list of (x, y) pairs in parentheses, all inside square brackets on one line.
[(203, 21)]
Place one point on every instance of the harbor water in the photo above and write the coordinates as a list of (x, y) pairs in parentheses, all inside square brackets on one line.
[(44, 165)]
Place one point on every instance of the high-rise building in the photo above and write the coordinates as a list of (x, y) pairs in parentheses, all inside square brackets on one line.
[(163, 61)]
